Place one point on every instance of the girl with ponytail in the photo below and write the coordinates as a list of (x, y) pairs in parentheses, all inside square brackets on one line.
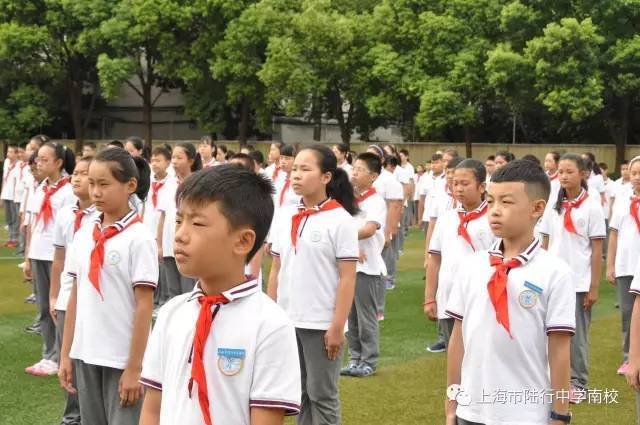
[(315, 251)]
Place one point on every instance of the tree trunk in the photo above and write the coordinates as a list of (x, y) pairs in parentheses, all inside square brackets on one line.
[(243, 124), (467, 141), (75, 101), (316, 116), (146, 114), (621, 141)]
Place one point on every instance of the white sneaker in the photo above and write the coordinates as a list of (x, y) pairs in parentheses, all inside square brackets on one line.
[(45, 368), (21, 265)]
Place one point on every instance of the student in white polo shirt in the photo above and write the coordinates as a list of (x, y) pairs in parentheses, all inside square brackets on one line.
[(427, 187), (458, 232), (315, 251), (54, 164), (551, 161), (363, 334), (624, 251), (18, 194), (115, 271), (574, 230), (273, 158), (633, 370), (185, 160), (70, 219), (224, 353), (7, 194), (284, 194), (341, 151), (514, 314)]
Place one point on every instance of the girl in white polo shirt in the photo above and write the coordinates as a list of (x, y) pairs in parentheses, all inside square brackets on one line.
[(315, 250), (115, 271), (551, 161), (185, 160), (574, 230), (69, 221), (458, 232), (624, 250), (284, 194), (55, 162)]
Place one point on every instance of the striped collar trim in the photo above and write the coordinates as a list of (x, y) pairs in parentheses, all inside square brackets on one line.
[(120, 224), (524, 257), (302, 207), (246, 288), (482, 206)]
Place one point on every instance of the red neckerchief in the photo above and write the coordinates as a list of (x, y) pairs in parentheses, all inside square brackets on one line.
[(155, 188), (330, 204), (79, 215), (369, 192), (287, 183), (553, 176), (466, 217), (276, 172), (203, 328), (100, 237), (46, 210), (22, 165), (450, 193), (497, 285), (570, 205), (633, 210)]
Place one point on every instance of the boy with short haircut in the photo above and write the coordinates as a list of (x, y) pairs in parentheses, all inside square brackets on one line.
[(224, 353), (18, 191), (8, 188), (363, 335), (89, 149), (512, 304)]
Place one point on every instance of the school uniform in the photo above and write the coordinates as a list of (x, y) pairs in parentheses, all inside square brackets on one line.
[(510, 356), (391, 190), (623, 222), (69, 221), (441, 200), (105, 311), (457, 234), (634, 290), (176, 283), (150, 220), (284, 194), (250, 358), (7, 196), (48, 200), (574, 246), (363, 334), (310, 243), (404, 174), (348, 168), (18, 195), (429, 190)]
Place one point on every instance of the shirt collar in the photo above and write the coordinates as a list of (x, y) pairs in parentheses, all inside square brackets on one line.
[(302, 207), (120, 224), (524, 257), (480, 207), (246, 288), (89, 210)]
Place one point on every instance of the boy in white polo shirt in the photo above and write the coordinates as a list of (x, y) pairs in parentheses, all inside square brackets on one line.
[(508, 356), (224, 353), (363, 335), (7, 194)]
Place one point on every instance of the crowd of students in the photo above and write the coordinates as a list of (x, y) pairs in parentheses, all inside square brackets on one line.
[(117, 238)]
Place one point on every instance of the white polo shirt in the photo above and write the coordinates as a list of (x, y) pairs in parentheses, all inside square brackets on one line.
[(388, 186), (440, 201), (418, 179), (289, 197), (41, 246), (8, 183), (541, 300), (573, 248), (628, 247), (308, 278), (18, 174), (634, 289), (104, 324), (151, 213), (250, 358), (167, 204), (63, 235), (372, 210), (348, 168), (453, 248)]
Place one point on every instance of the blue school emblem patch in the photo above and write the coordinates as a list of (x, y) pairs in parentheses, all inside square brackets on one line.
[(528, 298), (230, 360), (316, 236), (113, 258)]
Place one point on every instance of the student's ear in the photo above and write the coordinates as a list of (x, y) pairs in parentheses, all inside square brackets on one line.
[(483, 187), (539, 206), (132, 185), (325, 178), (244, 241)]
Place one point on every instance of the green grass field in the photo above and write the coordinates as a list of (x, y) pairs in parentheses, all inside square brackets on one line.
[(407, 389)]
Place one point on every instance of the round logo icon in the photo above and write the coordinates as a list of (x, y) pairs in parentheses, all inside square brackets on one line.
[(527, 298), (316, 236), (230, 366), (580, 223), (113, 258), (456, 393)]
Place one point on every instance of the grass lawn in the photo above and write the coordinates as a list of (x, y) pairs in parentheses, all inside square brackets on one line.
[(407, 389)]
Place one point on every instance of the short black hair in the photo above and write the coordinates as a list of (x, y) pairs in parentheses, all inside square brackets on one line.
[(625, 162), (536, 182), (162, 151), (116, 143), (250, 203), (125, 167), (491, 158), (288, 150), (92, 145), (257, 157), (374, 165), (508, 156), (246, 160), (603, 165), (477, 167), (532, 158), (454, 161), (436, 157), (390, 160)]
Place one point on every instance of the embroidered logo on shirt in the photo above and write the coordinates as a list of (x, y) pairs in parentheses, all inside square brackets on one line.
[(581, 223), (527, 298), (113, 258), (230, 360), (316, 236)]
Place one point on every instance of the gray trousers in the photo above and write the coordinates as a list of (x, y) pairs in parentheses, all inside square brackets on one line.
[(364, 333), (20, 250), (11, 217), (71, 414), (320, 399), (41, 273), (390, 257), (176, 283), (446, 327), (625, 300), (381, 293), (160, 295), (466, 422), (99, 396), (580, 345)]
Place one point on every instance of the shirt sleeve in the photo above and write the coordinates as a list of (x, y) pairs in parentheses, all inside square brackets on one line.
[(59, 237), (545, 222), (561, 314), (435, 244), (71, 263), (616, 219), (276, 372), (377, 213), (153, 364), (396, 192), (143, 262), (635, 283), (346, 241), (455, 307), (275, 234), (597, 226)]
